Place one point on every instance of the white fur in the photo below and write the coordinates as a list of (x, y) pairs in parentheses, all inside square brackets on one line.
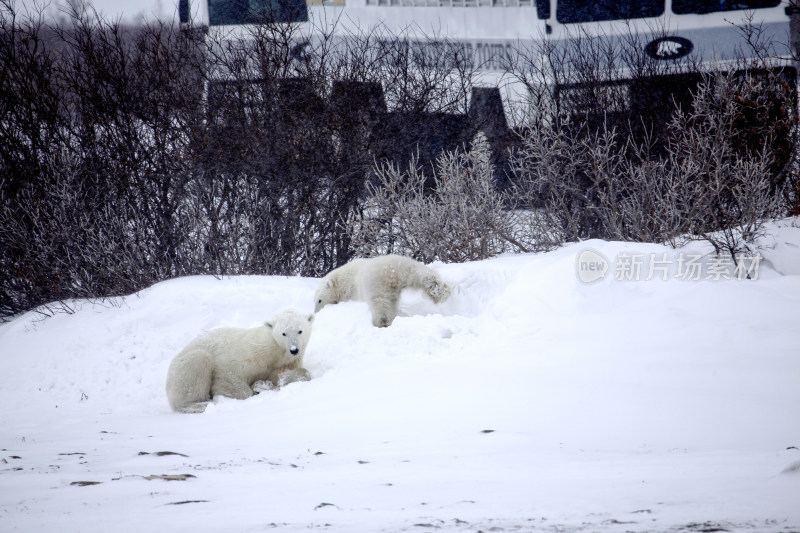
[(379, 282), (227, 361)]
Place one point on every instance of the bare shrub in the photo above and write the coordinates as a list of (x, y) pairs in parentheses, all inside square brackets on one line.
[(732, 184), (599, 81), (132, 155), (458, 215), (301, 125), (704, 181), (614, 142)]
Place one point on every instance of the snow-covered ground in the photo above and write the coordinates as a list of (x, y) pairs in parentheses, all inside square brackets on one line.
[(530, 401)]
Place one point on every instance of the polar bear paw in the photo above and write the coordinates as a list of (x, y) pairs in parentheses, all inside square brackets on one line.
[(437, 289)]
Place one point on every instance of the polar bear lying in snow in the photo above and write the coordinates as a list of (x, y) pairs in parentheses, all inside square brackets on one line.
[(227, 361)]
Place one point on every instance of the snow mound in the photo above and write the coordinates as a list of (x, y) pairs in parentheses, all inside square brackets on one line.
[(530, 400)]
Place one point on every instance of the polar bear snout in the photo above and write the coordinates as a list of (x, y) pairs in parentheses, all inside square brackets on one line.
[(293, 342), (292, 334)]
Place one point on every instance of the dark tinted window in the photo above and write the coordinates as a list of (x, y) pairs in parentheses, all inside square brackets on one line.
[(683, 7), (183, 11), (249, 11), (543, 9), (571, 11)]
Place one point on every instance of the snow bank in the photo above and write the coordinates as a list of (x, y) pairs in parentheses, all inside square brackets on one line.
[(529, 401)]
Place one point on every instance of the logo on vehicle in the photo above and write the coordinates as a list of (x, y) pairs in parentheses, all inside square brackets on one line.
[(669, 48)]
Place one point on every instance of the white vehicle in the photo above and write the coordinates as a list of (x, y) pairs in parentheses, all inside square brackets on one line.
[(693, 31), (702, 29), (668, 31)]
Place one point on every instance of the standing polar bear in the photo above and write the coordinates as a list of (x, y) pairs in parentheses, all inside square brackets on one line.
[(227, 361), (379, 281)]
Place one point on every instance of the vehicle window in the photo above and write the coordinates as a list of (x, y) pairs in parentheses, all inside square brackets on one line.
[(250, 11), (685, 7), (543, 9), (183, 11), (572, 11)]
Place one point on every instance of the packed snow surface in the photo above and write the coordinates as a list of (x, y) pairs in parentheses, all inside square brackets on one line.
[(530, 401)]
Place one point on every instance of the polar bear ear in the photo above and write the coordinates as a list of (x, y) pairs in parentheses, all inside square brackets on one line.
[(311, 317), (269, 325)]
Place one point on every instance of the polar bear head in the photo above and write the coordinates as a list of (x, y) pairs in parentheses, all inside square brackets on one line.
[(291, 330), (326, 294)]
